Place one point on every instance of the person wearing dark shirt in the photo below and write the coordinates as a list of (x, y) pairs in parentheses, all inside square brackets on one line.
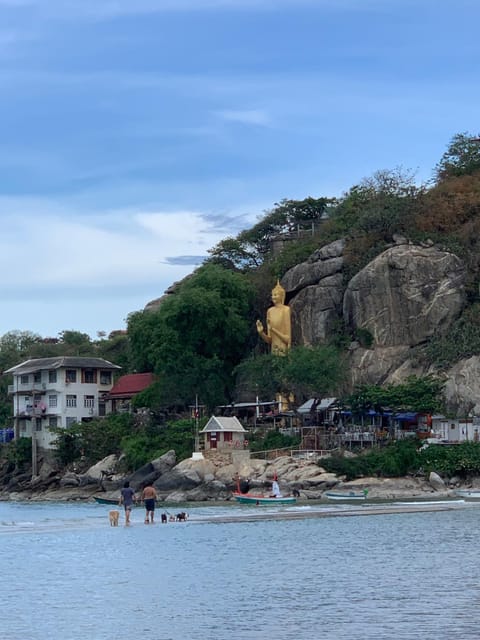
[(127, 498)]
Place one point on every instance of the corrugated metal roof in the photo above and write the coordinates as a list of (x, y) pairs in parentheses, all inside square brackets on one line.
[(73, 362), (325, 403)]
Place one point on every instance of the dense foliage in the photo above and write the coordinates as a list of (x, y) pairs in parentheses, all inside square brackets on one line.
[(396, 459), (196, 338), (303, 372), (461, 341), (420, 394), (138, 441), (409, 457)]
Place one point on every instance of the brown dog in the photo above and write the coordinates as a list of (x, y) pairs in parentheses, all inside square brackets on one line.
[(113, 517)]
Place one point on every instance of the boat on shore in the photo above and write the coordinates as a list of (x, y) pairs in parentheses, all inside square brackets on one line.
[(468, 494), (243, 495), (346, 495), (251, 498), (105, 500)]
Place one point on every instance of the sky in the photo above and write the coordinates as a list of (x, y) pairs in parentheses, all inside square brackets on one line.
[(134, 136)]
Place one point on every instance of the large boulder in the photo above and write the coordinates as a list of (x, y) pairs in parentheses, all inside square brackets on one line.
[(103, 468), (315, 288), (178, 480), (462, 387), (406, 295), (436, 482), (203, 468), (165, 462)]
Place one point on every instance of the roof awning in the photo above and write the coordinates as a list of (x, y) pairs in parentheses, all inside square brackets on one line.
[(407, 416), (324, 404)]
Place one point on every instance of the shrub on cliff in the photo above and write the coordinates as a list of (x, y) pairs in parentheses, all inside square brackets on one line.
[(397, 459), (455, 460)]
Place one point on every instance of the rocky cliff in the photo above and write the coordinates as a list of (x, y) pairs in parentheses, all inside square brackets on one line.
[(401, 299)]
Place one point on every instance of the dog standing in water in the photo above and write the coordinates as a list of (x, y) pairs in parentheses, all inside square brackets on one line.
[(113, 517)]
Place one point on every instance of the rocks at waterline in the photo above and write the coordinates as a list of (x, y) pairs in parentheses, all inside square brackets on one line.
[(209, 480)]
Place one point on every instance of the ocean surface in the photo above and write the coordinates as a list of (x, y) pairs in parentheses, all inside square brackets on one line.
[(67, 575)]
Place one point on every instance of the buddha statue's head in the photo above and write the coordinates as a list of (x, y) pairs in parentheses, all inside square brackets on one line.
[(278, 293)]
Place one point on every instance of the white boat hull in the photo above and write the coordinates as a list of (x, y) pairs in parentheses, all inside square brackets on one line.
[(469, 494), (349, 495)]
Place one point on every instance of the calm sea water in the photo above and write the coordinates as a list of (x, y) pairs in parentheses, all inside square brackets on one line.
[(68, 575)]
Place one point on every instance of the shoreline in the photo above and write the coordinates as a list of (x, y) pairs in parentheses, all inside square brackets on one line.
[(304, 514)]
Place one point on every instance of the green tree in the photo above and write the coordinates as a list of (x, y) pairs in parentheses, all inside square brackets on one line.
[(253, 246), (93, 440), (196, 337), (76, 343), (303, 372), (420, 394), (461, 158)]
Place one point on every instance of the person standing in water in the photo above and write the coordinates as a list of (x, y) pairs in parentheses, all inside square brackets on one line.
[(279, 325), (149, 495), (127, 498)]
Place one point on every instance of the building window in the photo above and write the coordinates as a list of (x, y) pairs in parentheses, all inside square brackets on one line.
[(52, 376), (38, 425), (105, 377), (70, 375), (37, 376), (26, 399), (101, 409), (53, 422), (71, 401), (90, 376), (89, 402), (24, 379), (52, 401), (228, 436), (69, 422)]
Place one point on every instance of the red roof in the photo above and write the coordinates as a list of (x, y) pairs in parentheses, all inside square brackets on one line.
[(131, 384)]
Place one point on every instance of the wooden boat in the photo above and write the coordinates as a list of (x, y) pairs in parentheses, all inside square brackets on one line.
[(251, 498), (346, 495), (243, 496), (105, 500), (468, 494)]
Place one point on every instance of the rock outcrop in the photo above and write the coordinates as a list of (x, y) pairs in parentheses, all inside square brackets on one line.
[(208, 480), (395, 304), (406, 295), (400, 300)]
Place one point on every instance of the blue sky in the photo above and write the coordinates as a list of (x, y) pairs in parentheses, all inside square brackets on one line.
[(136, 135)]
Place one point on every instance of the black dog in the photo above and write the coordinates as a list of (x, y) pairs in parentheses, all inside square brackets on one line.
[(181, 517), (164, 518)]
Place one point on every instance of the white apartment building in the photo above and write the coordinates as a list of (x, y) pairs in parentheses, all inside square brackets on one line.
[(58, 392)]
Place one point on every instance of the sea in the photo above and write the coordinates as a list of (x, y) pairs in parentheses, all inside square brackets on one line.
[(240, 572)]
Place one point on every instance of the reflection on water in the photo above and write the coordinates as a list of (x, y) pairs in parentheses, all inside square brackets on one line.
[(68, 575)]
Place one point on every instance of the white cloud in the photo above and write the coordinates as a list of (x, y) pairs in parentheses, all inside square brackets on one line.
[(121, 248), (245, 116)]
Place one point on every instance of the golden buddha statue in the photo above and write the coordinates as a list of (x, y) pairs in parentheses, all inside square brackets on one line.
[(279, 326)]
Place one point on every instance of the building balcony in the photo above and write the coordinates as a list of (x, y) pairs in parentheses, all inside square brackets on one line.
[(29, 389)]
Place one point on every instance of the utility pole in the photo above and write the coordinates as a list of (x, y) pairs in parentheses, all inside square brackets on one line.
[(197, 454), (33, 422)]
